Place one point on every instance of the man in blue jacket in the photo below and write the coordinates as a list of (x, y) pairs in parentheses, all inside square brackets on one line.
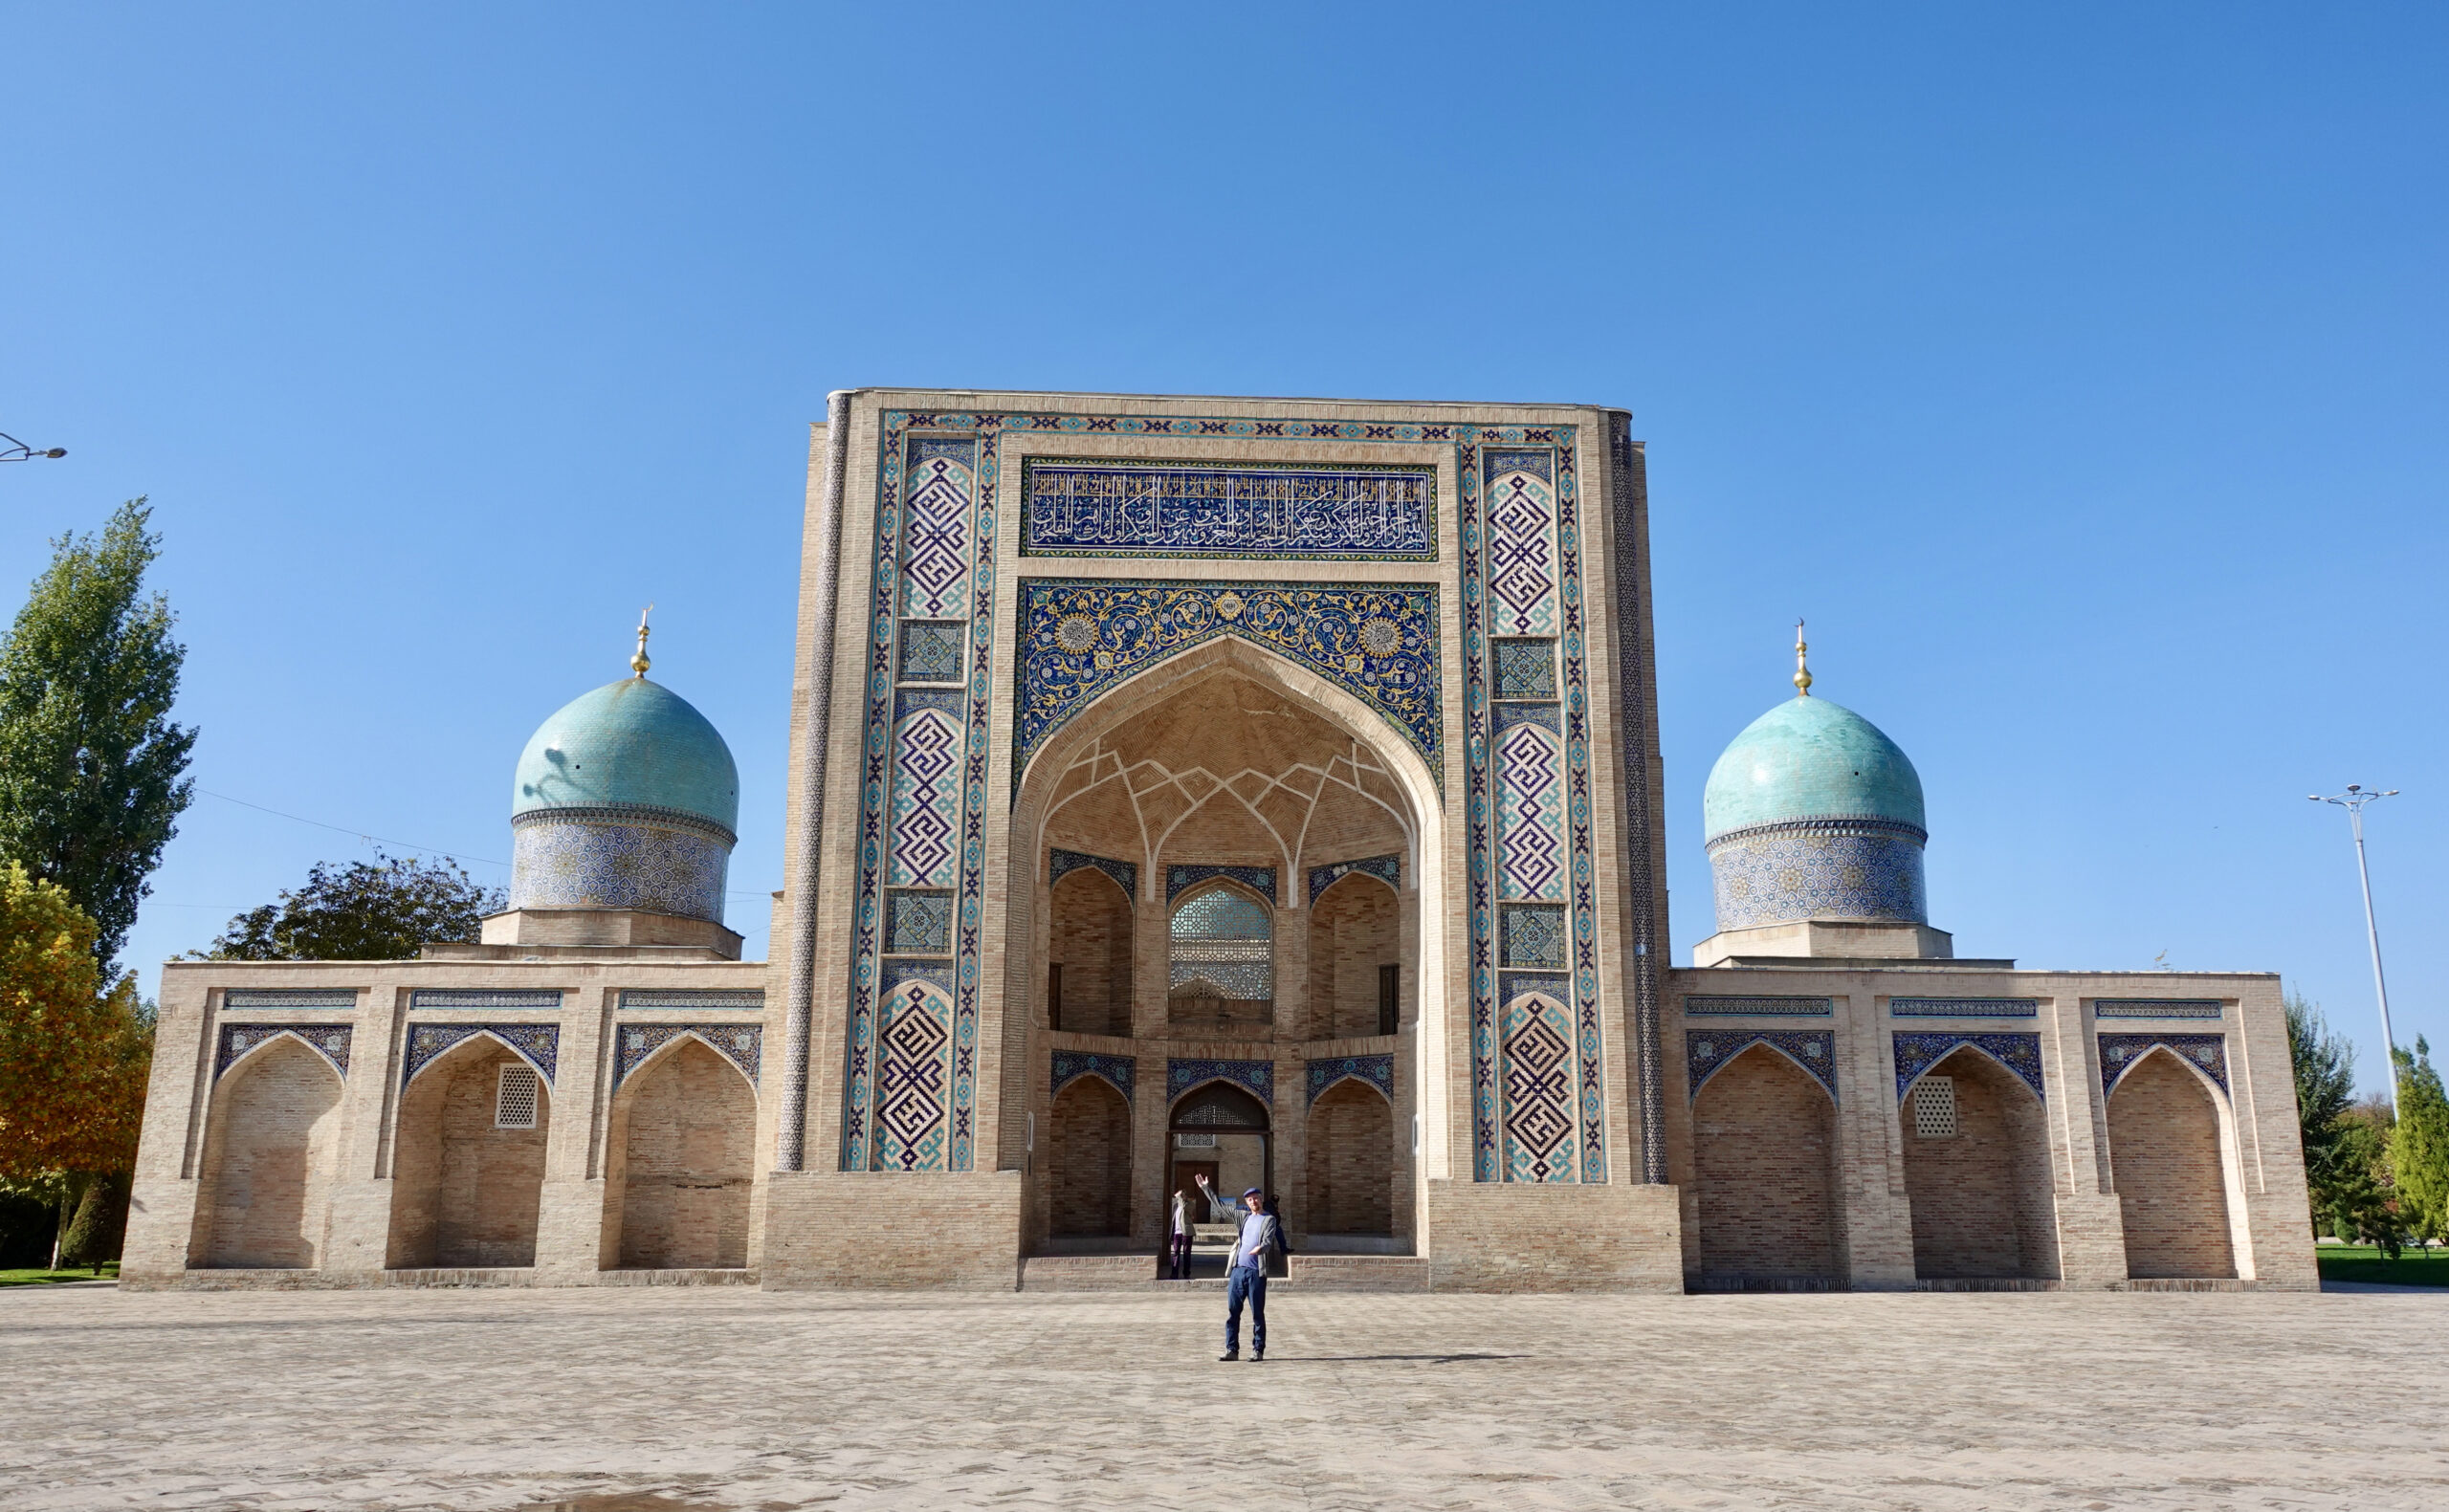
[(1246, 1277)]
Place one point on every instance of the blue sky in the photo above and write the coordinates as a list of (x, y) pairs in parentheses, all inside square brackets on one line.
[(2078, 372)]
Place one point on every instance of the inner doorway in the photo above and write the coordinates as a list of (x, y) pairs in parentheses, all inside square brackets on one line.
[(1222, 1132)]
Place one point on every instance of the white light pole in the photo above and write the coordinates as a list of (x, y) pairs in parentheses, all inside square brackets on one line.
[(2353, 800)]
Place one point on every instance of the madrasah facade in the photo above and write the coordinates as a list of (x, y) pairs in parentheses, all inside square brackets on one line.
[(1261, 789)]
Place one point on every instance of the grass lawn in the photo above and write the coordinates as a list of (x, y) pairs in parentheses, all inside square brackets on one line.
[(2413, 1267), (39, 1277)]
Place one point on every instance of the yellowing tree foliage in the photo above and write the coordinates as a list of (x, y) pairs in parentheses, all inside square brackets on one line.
[(73, 1057)]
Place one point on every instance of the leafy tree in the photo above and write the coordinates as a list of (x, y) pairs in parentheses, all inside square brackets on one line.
[(2420, 1145), (385, 910), (2365, 1200), (2325, 1089), (90, 767), (73, 1057)]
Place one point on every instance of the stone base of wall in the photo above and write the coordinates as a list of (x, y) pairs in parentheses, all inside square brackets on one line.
[(1090, 1273), (880, 1229), (1514, 1237), (235, 1279)]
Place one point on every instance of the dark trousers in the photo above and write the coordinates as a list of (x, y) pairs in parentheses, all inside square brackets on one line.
[(1181, 1255), (1246, 1282)]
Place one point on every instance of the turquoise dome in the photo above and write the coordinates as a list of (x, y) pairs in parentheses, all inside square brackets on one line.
[(628, 744), (1809, 758)]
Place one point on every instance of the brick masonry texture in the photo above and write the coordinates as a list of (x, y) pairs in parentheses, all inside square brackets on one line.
[(1982, 1198), (1352, 1139), (270, 1152), (1352, 931), (685, 1128), (465, 1192), (1762, 1141), (1089, 1155), (2164, 1135)]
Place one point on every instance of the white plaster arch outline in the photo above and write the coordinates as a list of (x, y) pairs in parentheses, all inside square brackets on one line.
[(1754, 1043), (2232, 1169), (453, 1052), (655, 1057), (2218, 1093), (286, 1032)]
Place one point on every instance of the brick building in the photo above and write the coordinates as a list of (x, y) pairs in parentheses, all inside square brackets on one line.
[(1263, 789)]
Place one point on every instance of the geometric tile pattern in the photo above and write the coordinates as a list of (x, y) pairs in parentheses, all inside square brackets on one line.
[(1079, 508), (1917, 1053), (1523, 574), (739, 1043), (931, 652), (289, 997), (1378, 1070), (1964, 1007), (1524, 668), (538, 1044), (918, 922), (926, 792), (1707, 1050), (1775, 873), (1539, 1123), (565, 863), (1118, 1070), (935, 562), (1226, 938), (751, 1000), (1256, 1076), (2158, 1008), (1388, 869), (1698, 1007), (1061, 864), (913, 1076), (1079, 637), (1530, 816), (2207, 1053), (1535, 937), (483, 997), (331, 1039), (1260, 880)]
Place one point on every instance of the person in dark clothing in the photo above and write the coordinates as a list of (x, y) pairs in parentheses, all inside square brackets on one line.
[(1279, 1255)]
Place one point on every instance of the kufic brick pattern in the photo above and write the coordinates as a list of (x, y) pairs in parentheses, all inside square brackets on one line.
[(464, 1192), (685, 1131), (1088, 1160), (1352, 1162), (275, 1121), (1981, 1200), (2164, 1150), (1764, 1152), (1352, 931)]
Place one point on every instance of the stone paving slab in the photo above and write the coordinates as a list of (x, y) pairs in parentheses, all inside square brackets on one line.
[(679, 1400)]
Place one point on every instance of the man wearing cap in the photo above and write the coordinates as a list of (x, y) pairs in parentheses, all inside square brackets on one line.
[(1245, 1276)]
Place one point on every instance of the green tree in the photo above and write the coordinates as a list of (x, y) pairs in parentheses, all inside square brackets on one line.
[(2419, 1146), (2325, 1089), (90, 767), (385, 910)]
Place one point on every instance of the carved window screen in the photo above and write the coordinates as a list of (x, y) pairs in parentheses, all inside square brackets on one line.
[(515, 1097), (1935, 1107)]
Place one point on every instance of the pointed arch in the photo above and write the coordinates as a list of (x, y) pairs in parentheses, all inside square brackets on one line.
[(466, 1191), (271, 1153), (681, 1157), (660, 1040), (1764, 1158), (1978, 1169)]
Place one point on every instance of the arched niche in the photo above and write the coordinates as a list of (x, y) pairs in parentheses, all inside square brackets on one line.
[(1230, 1135), (1089, 1161), (1976, 1172), (680, 1161), (1220, 957), (2167, 1160), (1764, 1164), (1355, 935), (466, 1186), (1351, 1161), (1090, 948), (270, 1154)]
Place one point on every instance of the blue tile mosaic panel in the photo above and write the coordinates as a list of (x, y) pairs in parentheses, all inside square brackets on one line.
[(935, 543), (1706, 1052), (1093, 507), (931, 650), (926, 800), (2158, 1008), (913, 1078), (1080, 637), (2120, 1053), (1388, 869), (1061, 864), (918, 922), (739, 1043), (1378, 1070), (1531, 819), (1255, 1077), (1069, 1065), (483, 997), (1964, 1007), (328, 1039), (289, 997), (1524, 571), (1541, 1130), (1916, 1053), (538, 1044), (1704, 1006), (1260, 880), (748, 999), (1534, 937), (1772, 875), (1524, 668), (561, 862)]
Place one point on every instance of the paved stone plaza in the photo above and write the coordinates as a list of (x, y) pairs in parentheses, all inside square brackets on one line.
[(638, 1400)]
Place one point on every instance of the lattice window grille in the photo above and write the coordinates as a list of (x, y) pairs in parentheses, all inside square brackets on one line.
[(515, 1097), (1935, 1107), (1194, 1141), (1223, 939)]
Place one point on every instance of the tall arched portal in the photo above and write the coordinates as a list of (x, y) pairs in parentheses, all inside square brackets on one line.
[(1236, 846), (1764, 1157), (268, 1160), (2171, 1175), (468, 1171), (1977, 1171)]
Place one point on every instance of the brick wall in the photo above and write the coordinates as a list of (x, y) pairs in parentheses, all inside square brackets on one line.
[(271, 1153), (683, 1138), (1982, 1198), (1088, 1160), (1519, 1236), (1763, 1147), (2164, 1150), (1352, 931), (464, 1192), (1352, 1162), (1092, 941), (882, 1230)]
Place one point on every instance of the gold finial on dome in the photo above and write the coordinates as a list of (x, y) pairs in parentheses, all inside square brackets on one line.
[(639, 664), (1802, 674)]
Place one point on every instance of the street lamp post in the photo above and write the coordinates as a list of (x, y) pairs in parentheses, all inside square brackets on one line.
[(2353, 800), (17, 451)]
